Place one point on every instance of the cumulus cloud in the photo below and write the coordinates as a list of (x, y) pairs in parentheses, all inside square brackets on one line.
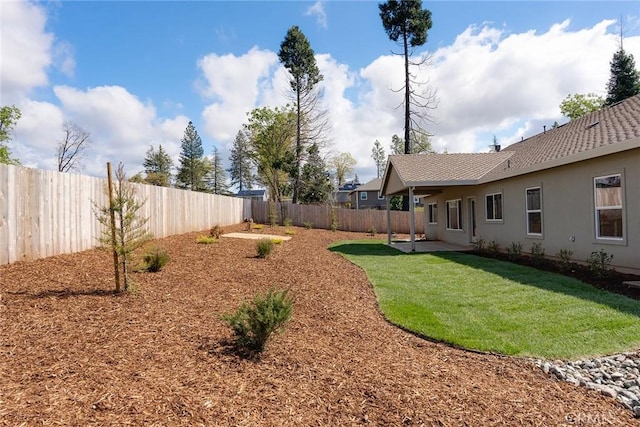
[(317, 10)]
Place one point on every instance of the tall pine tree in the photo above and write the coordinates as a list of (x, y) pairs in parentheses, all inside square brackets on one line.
[(625, 80), (379, 157), (157, 167), (217, 177), (193, 167), (315, 181), (241, 170)]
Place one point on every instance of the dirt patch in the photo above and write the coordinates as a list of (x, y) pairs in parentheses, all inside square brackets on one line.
[(73, 353)]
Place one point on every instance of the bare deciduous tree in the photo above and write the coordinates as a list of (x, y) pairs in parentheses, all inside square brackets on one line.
[(72, 147)]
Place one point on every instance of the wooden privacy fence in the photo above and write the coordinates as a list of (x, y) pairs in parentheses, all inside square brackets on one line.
[(348, 219), (45, 213)]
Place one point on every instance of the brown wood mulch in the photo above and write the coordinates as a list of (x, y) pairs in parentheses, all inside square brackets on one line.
[(73, 353)]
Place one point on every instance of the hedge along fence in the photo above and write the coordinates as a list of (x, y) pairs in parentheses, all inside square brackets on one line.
[(348, 219), (45, 213)]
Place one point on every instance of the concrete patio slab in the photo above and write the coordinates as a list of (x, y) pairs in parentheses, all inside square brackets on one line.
[(255, 236)]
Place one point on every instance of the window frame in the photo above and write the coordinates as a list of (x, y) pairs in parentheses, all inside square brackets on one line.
[(597, 208), (530, 211), (363, 195), (486, 207), (458, 203), (380, 196), (432, 213)]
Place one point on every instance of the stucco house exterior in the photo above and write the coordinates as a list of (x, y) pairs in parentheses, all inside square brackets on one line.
[(367, 196), (573, 187)]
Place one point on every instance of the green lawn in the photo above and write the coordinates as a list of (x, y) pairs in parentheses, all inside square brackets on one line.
[(489, 305)]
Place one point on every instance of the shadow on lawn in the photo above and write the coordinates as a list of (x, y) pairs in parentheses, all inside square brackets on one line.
[(548, 281), (364, 248)]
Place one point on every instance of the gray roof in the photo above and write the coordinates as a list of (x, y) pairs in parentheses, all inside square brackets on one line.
[(373, 185), (609, 130)]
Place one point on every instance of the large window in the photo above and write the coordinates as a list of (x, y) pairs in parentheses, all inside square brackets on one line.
[(608, 205), (534, 211), (433, 213), (454, 214), (363, 195), (494, 206)]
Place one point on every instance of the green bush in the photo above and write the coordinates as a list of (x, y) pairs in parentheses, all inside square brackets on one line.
[(564, 259), (537, 253), (155, 258), (206, 240), (289, 232), (493, 247), (287, 222), (254, 323), (479, 245), (257, 226), (600, 263), (308, 225), (514, 250), (372, 230), (264, 247)]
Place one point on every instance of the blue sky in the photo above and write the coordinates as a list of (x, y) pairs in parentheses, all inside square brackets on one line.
[(134, 73)]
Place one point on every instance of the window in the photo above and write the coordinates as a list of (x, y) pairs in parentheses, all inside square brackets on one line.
[(433, 213), (454, 214), (380, 196), (608, 205), (534, 211), (363, 195), (494, 206)]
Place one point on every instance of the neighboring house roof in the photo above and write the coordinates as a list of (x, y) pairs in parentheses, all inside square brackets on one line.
[(607, 131), (251, 193), (373, 185)]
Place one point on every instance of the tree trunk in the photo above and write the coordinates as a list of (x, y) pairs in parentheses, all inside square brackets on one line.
[(296, 182), (407, 110)]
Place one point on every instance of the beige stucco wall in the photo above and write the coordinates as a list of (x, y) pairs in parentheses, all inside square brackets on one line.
[(568, 213)]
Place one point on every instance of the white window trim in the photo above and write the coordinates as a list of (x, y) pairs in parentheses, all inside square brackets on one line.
[(363, 195), (380, 196), (528, 211), (429, 210), (596, 209), (486, 207), (459, 206)]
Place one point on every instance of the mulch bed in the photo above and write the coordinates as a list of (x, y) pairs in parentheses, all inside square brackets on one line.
[(73, 353)]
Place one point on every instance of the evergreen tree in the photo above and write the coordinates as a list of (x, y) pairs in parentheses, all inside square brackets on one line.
[(217, 177), (315, 181), (241, 170), (157, 167), (625, 80), (379, 157), (193, 167), (298, 58)]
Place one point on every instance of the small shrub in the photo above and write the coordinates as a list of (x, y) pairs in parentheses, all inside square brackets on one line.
[(493, 247), (334, 220), (155, 258), (264, 247), (289, 232), (287, 222), (600, 263), (564, 259), (277, 241), (254, 323), (273, 215), (308, 225), (537, 253), (372, 230), (257, 226), (479, 245), (514, 250), (206, 240), (216, 232)]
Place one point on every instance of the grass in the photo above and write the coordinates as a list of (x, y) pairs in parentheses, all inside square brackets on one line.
[(489, 305)]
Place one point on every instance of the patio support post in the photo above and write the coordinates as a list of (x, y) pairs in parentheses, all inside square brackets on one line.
[(388, 220), (412, 225)]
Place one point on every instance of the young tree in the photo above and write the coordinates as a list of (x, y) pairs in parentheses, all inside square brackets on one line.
[(420, 144), (9, 116), (406, 23), (343, 165), (379, 157), (271, 140), (130, 225), (624, 81), (193, 167), (577, 105), (241, 170), (298, 58), (217, 177), (72, 147), (157, 167), (315, 182)]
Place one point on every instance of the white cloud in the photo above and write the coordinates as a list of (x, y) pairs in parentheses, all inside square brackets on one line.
[(26, 49), (317, 10)]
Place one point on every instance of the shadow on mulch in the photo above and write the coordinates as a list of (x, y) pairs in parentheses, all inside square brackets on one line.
[(229, 348), (67, 293), (611, 281)]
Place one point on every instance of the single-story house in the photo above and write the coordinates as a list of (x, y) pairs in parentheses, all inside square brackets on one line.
[(253, 194), (367, 196), (342, 196), (573, 187)]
